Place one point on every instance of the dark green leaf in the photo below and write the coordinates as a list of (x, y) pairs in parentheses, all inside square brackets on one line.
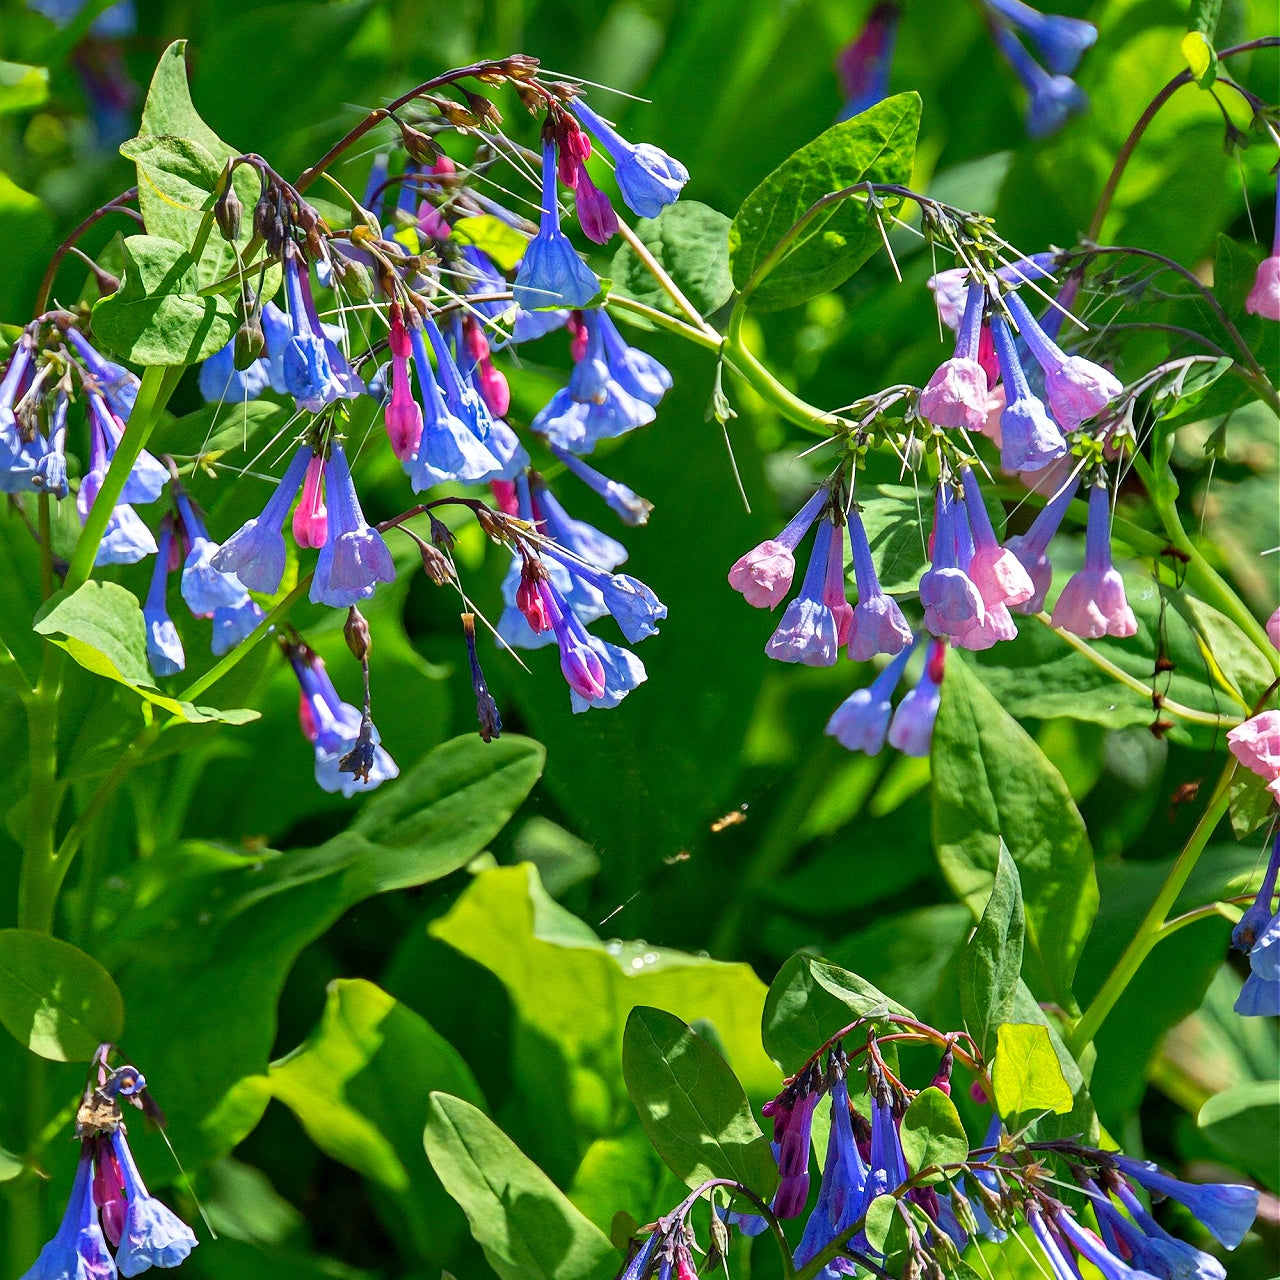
[(227, 928), (527, 1227), (992, 962), (991, 781), (876, 146), (811, 1000), (59, 1002), (691, 242), (691, 1104), (933, 1133), (157, 316)]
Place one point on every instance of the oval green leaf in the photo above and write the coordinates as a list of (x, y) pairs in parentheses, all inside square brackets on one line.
[(932, 1133), (691, 1105), (877, 146), (54, 999)]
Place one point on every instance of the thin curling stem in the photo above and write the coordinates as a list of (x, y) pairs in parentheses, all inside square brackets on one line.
[(117, 204)]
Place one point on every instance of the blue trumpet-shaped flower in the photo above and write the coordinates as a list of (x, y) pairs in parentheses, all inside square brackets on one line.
[(911, 731), (79, 1249), (313, 368), (1225, 1209), (809, 632), (1030, 437), (233, 622), (153, 1235), (648, 178), (625, 503), (354, 558), (113, 381), (220, 379), (204, 587), (1061, 41), (551, 273), (861, 721), (1052, 99), (623, 672), (164, 646), (255, 553)]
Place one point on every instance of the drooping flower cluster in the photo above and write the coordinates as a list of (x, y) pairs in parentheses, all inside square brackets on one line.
[(110, 1208), (449, 309), (1006, 1181)]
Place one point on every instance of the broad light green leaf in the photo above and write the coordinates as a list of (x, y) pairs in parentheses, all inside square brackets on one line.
[(882, 1213), (100, 625), (359, 1086), (503, 243), (157, 316), (180, 160), (876, 146), (1026, 1074), (55, 999), (22, 87), (1244, 1122), (691, 242), (933, 1133), (527, 1227), (691, 1104), (991, 781), (225, 928), (992, 962), (811, 1000)]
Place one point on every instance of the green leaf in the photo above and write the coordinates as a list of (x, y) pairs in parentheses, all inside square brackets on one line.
[(992, 962), (1204, 16), (503, 243), (180, 161), (22, 87), (527, 1227), (991, 781), (1244, 1122), (932, 1132), (10, 1165), (811, 1000), (227, 927), (1198, 50), (882, 1213), (55, 999), (691, 242), (101, 626), (103, 630), (359, 1086), (876, 146), (691, 1104), (157, 316), (1027, 1075)]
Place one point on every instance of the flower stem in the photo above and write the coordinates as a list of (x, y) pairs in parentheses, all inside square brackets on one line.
[(1153, 924)]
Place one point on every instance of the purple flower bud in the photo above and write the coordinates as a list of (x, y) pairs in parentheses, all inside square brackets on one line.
[(648, 178), (1061, 41), (952, 603), (1030, 437), (862, 66), (579, 660), (595, 213), (164, 646), (808, 631), (911, 731), (861, 721), (255, 553), (1226, 1210), (354, 558), (623, 671), (792, 1114), (1093, 603), (551, 273)]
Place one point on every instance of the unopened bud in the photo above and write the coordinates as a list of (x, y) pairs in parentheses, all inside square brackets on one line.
[(441, 534), (492, 523), (249, 344), (519, 66), (435, 564), (482, 108), (356, 633), (357, 280), (228, 213), (532, 101), (420, 147), (454, 112)]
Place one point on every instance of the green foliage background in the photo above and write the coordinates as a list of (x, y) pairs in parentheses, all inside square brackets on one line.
[(308, 1001)]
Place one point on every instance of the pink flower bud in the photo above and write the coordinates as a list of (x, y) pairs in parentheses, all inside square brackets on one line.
[(956, 395), (311, 516), (1256, 744), (764, 574), (1264, 297)]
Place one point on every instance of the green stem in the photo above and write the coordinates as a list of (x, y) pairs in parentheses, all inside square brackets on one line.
[(1121, 676), (1153, 923), (158, 385), (39, 879), (767, 387)]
